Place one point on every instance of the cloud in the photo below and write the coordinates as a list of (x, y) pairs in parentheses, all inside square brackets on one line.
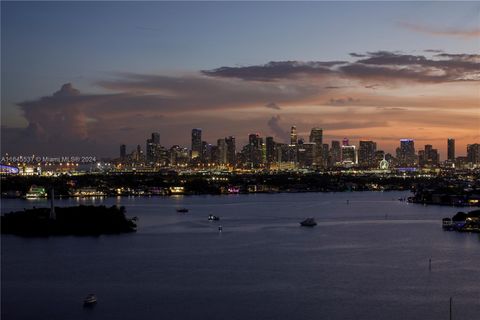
[(371, 66), (385, 65), (452, 32), (357, 55), (342, 101), (276, 70), (272, 105), (276, 129)]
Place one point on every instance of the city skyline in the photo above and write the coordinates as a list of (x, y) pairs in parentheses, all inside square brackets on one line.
[(75, 81)]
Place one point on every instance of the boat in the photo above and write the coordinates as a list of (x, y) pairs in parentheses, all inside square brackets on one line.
[(89, 300), (182, 210), (36, 192), (309, 222), (211, 217)]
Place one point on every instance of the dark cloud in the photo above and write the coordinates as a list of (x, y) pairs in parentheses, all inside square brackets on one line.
[(275, 127), (379, 65), (276, 70), (272, 105), (357, 55), (433, 50)]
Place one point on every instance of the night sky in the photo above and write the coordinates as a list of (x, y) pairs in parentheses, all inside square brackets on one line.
[(84, 77)]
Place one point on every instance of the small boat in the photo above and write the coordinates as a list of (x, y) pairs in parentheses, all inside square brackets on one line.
[(309, 222), (89, 300), (211, 217), (182, 210)]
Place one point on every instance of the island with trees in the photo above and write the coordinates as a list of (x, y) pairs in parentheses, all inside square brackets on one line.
[(76, 220)]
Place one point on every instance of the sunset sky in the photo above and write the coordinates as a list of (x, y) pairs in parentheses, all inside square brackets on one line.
[(84, 77)]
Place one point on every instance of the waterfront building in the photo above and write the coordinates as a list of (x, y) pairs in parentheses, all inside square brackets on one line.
[(366, 154), (270, 150), (231, 153), (325, 156), (406, 153), (153, 148), (208, 153), (335, 153), (293, 135), (221, 151), (349, 155), (196, 143), (316, 136), (473, 153), (255, 157), (179, 156), (306, 154), (451, 149)]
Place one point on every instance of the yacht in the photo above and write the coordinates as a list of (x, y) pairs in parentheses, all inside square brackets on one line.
[(309, 222), (182, 210), (211, 217)]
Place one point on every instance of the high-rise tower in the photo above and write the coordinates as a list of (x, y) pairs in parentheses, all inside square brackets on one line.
[(196, 143)]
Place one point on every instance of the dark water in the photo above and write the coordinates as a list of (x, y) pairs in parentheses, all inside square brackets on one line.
[(367, 259)]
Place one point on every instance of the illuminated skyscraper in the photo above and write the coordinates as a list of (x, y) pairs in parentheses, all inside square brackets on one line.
[(349, 155), (221, 151), (473, 153), (293, 135), (270, 150), (231, 157), (316, 136), (335, 152), (366, 153), (451, 149), (406, 152), (153, 148), (196, 143), (255, 156)]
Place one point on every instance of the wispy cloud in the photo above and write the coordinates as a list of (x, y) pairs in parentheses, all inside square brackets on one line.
[(452, 32)]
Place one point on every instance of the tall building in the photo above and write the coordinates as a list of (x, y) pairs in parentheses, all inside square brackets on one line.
[(345, 142), (428, 156), (406, 153), (335, 152), (270, 150), (231, 157), (473, 153), (349, 155), (306, 154), (325, 156), (179, 156), (221, 151), (208, 154), (316, 136), (123, 151), (451, 149), (153, 148), (366, 153), (293, 135), (156, 137), (255, 154), (196, 143)]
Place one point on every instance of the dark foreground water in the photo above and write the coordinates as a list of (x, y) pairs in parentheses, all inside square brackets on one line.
[(368, 259)]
